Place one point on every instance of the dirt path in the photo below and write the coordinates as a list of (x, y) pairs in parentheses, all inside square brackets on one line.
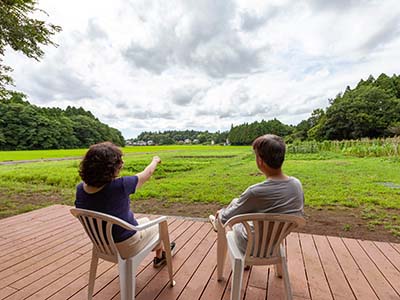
[(14, 162)]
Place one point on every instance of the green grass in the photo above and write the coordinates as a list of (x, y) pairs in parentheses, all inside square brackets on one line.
[(218, 174)]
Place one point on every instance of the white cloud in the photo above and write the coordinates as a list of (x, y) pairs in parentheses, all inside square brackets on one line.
[(157, 65)]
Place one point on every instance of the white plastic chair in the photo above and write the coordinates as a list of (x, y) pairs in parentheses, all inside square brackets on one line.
[(98, 226), (264, 246)]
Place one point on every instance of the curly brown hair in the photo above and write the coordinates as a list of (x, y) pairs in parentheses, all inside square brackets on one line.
[(271, 149), (101, 164)]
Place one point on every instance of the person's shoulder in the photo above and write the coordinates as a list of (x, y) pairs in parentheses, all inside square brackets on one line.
[(79, 186), (256, 186), (295, 180), (128, 180)]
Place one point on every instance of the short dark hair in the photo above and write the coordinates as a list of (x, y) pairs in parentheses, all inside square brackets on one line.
[(100, 164), (271, 149)]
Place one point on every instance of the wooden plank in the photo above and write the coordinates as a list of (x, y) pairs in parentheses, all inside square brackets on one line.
[(297, 274), (28, 267), (101, 285), (19, 255), (30, 215), (245, 280), (391, 274), (255, 293), (182, 237), (276, 289), (7, 292), (391, 254), (188, 269), (56, 264), (337, 281), (396, 246), (30, 256), (38, 221), (26, 231), (200, 278), (55, 286), (214, 288), (375, 278), (259, 277), (354, 276), (32, 232), (80, 282), (50, 277), (37, 239), (150, 289), (319, 287), (21, 248), (47, 231)]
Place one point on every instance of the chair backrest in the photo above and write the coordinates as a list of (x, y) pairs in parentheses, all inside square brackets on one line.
[(98, 227), (266, 234)]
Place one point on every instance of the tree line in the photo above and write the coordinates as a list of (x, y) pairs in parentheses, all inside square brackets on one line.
[(370, 110), (26, 126), (170, 137)]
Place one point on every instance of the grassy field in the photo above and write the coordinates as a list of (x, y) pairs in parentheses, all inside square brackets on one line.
[(62, 153), (208, 174)]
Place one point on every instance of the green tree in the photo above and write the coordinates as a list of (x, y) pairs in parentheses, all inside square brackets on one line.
[(22, 33), (26, 126), (366, 111)]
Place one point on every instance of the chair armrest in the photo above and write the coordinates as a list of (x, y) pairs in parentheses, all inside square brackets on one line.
[(151, 223)]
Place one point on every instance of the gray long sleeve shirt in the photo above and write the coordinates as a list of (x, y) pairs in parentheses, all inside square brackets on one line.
[(270, 196)]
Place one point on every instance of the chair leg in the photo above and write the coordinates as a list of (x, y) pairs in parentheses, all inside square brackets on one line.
[(278, 270), (92, 273), (127, 278), (221, 250), (278, 267), (164, 236), (286, 279), (237, 275)]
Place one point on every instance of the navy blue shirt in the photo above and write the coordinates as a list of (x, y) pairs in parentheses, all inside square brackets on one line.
[(112, 199)]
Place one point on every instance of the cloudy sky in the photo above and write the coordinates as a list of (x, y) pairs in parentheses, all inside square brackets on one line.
[(205, 64)]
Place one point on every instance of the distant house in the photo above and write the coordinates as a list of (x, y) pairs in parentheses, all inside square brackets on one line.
[(212, 142), (187, 141), (150, 143), (196, 141)]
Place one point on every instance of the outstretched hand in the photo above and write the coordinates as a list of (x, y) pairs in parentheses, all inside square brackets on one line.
[(157, 159)]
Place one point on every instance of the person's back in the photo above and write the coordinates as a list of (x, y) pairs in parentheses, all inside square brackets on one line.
[(277, 194)]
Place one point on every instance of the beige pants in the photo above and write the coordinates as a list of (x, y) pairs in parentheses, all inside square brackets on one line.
[(138, 241)]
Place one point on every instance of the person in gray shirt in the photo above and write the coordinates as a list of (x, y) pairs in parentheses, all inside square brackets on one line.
[(279, 193)]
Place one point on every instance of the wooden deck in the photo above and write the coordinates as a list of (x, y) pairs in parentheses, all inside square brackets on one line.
[(45, 254)]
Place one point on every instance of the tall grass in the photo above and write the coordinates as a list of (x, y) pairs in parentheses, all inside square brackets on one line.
[(360, 148)]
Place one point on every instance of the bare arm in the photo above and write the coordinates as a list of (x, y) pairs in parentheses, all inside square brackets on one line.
[(147, 172)]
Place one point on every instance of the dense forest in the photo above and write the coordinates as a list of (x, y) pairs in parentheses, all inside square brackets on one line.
[(245, 134), (371, 109), (26, 126)]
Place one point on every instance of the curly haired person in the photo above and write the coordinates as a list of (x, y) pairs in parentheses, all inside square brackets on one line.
[(102, 190)]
